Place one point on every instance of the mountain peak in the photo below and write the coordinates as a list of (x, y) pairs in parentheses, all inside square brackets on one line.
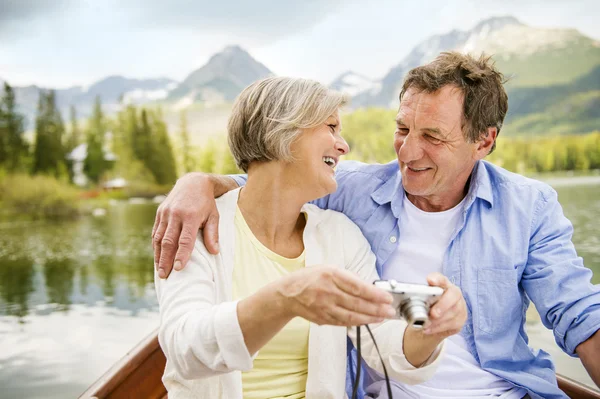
[(233, 49), (353, 83), (222, 78), (495, 23)]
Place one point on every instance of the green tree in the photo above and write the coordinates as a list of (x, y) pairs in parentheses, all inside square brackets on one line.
[(49, 153), (95, 163), (75, 133), (162, 162), (125, 131), (141, 140), (207, 158), (187, 160), (13, 148)]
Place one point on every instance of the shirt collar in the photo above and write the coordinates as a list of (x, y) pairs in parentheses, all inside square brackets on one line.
[(481, 184), (392, 191)]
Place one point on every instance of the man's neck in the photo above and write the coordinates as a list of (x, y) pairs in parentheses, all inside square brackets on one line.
[(443, 202)]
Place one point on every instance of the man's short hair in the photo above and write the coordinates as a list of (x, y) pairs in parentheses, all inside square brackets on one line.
[(485, 101), (269, 114)]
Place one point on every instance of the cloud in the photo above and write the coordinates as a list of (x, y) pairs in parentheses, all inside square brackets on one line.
[(17, 13), (266, 20)]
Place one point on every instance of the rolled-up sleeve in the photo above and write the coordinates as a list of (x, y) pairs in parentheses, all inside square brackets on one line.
[(200, 337), (240, 179), (556, 280)]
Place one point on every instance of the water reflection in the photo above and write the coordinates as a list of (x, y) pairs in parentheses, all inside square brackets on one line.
[(58, 274), (81, 297), (16, 284)]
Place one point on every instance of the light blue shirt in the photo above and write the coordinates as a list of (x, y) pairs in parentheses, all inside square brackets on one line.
[(513, 244)]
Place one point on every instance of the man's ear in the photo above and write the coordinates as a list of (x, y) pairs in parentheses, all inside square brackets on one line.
[(486, 141)]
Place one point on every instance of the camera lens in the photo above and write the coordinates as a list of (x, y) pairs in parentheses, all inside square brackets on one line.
[(415, 311)]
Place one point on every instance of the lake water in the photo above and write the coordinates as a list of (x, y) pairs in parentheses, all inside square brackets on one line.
[(76, 296)]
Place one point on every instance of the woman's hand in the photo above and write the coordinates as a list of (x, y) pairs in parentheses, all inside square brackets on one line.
[(319, 294), (334, 296)]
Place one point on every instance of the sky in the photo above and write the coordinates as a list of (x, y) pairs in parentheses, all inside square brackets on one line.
[(64, 43)]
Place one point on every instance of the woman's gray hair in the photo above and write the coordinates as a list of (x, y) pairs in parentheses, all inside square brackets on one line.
[(267, 117)]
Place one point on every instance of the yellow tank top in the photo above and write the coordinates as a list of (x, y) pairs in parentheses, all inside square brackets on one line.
[(281, 367)]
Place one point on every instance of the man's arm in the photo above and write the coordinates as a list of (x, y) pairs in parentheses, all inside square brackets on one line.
[(560, 286), (589, 353), (189, 207)]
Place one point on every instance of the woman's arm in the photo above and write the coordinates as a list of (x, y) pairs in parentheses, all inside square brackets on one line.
[(199, 336), (203, 338)]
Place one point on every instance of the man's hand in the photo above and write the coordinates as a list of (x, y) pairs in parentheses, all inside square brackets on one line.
[(448, 315), (189, 207), (330, 295)]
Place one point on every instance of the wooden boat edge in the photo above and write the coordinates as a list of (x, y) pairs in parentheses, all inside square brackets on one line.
[(125, 374), (109, 385)]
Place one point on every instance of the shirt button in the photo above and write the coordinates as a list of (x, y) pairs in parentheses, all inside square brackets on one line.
[(393, 239)]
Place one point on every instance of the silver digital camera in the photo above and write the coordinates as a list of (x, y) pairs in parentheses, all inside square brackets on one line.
[(411, 301)]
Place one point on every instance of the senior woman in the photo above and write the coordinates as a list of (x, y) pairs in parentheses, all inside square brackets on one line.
[(269, 315)]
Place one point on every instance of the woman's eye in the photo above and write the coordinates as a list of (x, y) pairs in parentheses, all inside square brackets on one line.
[(332, 127)]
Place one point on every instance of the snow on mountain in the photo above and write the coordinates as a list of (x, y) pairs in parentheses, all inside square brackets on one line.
[(353, 83)]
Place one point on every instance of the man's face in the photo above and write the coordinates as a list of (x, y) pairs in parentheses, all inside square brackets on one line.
[(434, 157)]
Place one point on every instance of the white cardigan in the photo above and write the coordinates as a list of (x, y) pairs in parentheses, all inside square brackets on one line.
[(201, 337)]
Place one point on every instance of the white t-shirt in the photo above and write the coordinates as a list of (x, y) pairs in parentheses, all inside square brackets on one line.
[(424, 238)]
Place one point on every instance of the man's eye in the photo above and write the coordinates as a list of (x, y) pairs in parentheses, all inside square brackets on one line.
[(402, 130), (433, 140)]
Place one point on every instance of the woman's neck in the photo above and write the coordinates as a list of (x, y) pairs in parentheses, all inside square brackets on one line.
[(271, 204)]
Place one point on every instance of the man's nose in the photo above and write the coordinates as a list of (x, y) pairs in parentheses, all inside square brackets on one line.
[(410, 149), (341, 146)]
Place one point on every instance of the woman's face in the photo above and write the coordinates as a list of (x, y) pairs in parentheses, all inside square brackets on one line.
[(316, 152)]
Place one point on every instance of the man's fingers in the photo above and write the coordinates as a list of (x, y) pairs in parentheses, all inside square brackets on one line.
[(438, 280), (359, 305), (157, 237), (155, 227), (211, 233), (351, 284), (186, 243), (168, 249), (449, 314), (450, 298)]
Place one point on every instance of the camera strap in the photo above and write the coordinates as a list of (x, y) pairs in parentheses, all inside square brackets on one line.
[(359, 363)]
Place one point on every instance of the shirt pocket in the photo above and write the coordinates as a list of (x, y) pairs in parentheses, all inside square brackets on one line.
[(498, 301)]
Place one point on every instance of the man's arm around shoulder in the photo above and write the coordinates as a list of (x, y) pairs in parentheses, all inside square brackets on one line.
[(190, 206)]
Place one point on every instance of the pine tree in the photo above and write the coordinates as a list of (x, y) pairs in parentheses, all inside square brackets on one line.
[(75, 134), (3, 138), (13, 148), (141, 140), (163, 161), (49, 153), (95, 163)]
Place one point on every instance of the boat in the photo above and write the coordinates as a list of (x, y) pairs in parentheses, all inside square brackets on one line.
[(138, 375)]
